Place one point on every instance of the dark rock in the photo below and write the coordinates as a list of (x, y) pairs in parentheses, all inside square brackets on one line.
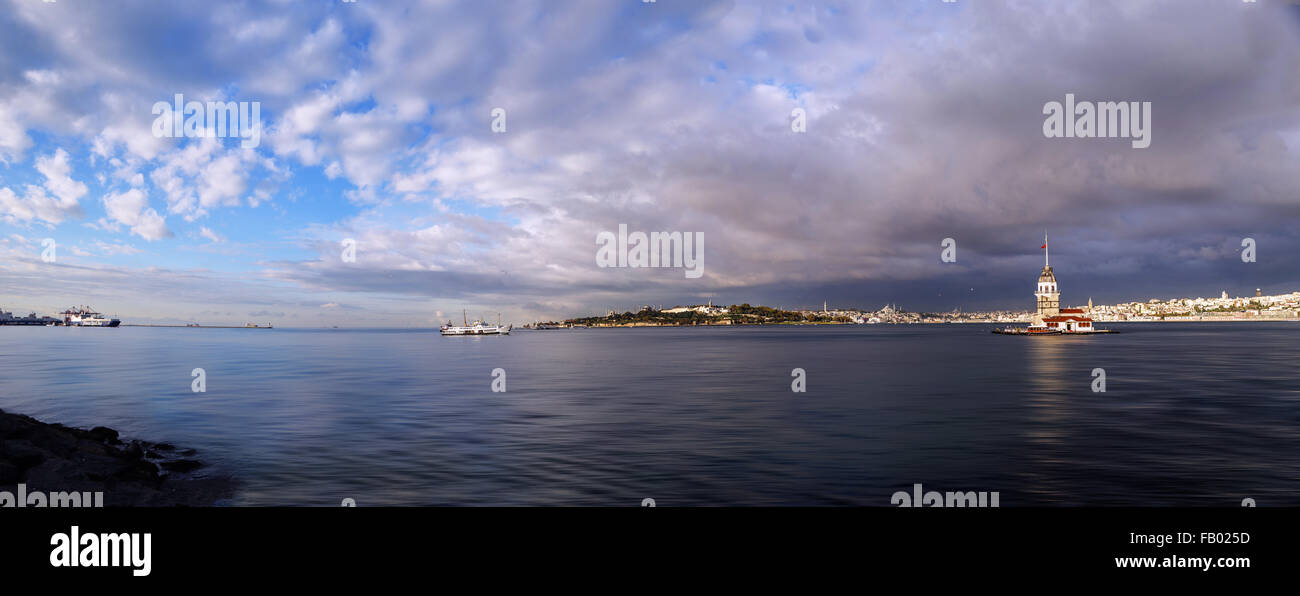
[(96, 449), (21, 453), (137, 471), (9, 474), (189, 453), (103, 433), (181, 465), (52, 457), (134, 450), (55, 474), (58, 442)]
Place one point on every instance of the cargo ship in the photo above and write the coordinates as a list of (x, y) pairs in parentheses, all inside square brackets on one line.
[(84, 316)]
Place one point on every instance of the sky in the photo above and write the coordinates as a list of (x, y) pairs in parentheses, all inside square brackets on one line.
[(922, 121)]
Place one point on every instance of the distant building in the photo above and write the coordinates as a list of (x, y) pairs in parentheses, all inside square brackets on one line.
[(709, 309)]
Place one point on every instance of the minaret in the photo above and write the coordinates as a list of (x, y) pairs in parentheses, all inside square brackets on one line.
[(1048, 296)]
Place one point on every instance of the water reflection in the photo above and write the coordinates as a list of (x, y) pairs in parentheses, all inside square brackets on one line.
[(691, 416), (1046, 432)]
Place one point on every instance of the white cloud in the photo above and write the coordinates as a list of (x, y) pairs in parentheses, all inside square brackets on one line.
[(205, 175), (13, 139), (56, 170), (210, 235), (116, 248), (222, 182), (36, 203), (131, 208)]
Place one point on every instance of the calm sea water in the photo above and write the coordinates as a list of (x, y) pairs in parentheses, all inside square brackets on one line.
[(1193, 413)]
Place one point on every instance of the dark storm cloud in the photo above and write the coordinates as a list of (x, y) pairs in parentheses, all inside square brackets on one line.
[(923, 127)]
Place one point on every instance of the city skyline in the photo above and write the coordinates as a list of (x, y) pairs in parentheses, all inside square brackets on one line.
[(921, 122), (1154, 305)]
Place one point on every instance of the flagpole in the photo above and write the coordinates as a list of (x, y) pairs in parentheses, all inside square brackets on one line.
[(1047, 260)]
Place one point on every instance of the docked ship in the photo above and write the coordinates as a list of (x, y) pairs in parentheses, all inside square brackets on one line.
[(84, 316), (1050, 318), (478, 327), (8, 318)]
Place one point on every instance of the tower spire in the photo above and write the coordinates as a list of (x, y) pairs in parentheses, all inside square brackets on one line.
[(1047, 261)]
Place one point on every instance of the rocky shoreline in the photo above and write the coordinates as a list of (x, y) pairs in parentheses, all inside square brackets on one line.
[(52, 458)]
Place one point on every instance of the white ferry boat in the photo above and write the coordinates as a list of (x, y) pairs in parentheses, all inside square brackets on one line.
[(478, 327), (84, 316)]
